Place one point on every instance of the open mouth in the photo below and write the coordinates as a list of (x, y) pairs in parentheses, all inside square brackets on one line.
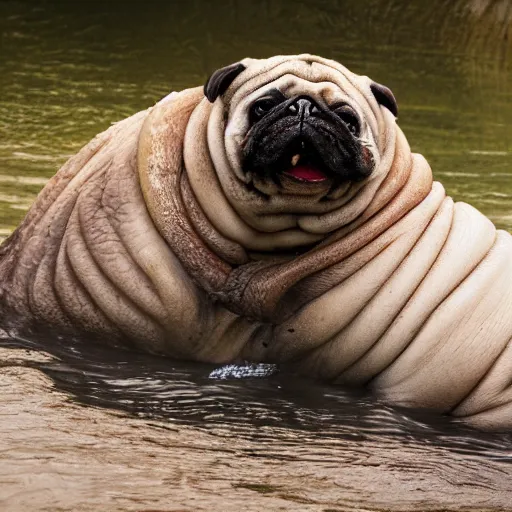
[(307, 159), (305, 172), (305, 165)]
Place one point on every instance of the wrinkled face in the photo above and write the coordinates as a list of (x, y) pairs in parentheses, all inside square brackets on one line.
[(295, 140), (304, 142)]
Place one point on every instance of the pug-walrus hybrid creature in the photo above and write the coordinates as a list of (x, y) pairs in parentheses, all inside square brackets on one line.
[(277, 215)]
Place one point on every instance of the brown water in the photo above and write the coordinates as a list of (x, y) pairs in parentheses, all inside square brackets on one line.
[(86, 428)]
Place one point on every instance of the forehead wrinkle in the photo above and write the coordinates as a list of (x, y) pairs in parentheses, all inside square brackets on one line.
[(257, 67), (329, 63), (307, 62), (340, 82), (293, 65), (283, 84), (320, 88), (361, 85), (296, 66), (305, 72), (359, 82), (254, 82)]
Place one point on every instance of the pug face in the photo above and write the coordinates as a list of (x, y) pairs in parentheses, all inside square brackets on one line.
[(298, 144)]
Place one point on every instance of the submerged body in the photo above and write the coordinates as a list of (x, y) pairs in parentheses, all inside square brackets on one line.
[(282, 218)]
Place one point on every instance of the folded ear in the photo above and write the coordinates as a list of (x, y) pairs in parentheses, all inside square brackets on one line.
[(385, 97), (221, 80)]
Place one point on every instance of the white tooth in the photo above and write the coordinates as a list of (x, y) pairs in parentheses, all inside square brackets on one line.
[(295, 159)]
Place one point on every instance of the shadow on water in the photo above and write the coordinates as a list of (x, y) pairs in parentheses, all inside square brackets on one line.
[(282, 406)]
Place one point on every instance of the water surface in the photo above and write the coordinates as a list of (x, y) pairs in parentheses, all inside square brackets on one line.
[(88, 428)]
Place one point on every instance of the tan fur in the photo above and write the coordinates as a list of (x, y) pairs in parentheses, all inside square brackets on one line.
[(152, 236)]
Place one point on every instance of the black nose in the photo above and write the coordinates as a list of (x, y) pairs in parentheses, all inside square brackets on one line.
[(303, 106)]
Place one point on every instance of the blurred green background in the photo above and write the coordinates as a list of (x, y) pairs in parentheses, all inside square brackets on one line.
[(69, 69)]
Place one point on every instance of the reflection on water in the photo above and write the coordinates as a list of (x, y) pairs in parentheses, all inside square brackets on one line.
[(180, 392), (363, 452), (68, 70)]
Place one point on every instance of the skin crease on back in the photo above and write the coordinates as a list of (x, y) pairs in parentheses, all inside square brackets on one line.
[(155, 236)]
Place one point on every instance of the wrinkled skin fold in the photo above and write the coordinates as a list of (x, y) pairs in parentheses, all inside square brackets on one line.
[(155, 235)]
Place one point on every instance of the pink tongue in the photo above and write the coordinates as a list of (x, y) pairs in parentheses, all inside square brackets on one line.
[(306, 173)]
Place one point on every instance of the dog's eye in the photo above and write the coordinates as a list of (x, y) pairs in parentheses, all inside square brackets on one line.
[(349, 117), (262, 107)]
